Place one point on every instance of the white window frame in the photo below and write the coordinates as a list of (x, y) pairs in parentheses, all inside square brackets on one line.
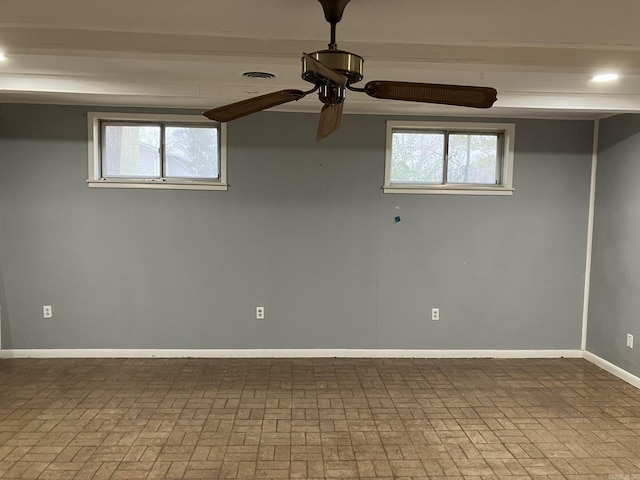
[(508, 131), (96, 180)]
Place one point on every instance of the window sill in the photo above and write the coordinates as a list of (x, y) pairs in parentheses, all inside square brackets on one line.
[(159, 185), (447, 190)]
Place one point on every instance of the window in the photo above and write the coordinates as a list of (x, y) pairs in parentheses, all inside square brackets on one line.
[(159, 151), (450, 158)]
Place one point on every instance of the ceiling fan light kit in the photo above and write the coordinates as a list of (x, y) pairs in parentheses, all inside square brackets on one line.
[(333, 71)]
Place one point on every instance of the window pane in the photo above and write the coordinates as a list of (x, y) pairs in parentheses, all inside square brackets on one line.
[(417, 157), (191, 152), (473, 158), (131, 151)]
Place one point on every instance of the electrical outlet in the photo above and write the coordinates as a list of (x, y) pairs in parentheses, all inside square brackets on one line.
[(46, 311), (260, 313), (435, 314), (629, 340)]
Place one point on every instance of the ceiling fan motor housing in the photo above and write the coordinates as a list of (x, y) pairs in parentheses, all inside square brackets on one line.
[(348, 64)]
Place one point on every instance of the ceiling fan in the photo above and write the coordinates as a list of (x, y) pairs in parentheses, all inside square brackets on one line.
[(334, 71)]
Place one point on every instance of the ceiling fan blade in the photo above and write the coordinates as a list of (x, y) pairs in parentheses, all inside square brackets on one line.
[(329, 122), (322, 71), (232, 111), (463, 96)]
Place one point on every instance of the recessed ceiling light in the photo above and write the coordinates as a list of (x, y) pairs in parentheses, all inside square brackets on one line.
[(3, 57), (605, 77)]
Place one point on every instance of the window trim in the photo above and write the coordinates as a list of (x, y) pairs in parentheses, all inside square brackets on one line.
[(94, 134), (506, 173)]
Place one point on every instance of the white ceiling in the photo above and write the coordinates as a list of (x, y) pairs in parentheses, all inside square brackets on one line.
[(540, 54)]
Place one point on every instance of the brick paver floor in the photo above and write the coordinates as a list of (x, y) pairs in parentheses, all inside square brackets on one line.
[(316, 419)]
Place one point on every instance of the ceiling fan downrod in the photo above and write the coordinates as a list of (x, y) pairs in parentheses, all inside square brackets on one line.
[(332, 43), (333, 10)]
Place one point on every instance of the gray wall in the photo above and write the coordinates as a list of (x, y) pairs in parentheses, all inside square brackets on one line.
[(304, 231), (614, 308)]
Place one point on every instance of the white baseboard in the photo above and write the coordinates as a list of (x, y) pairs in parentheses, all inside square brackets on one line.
[(284, 353), (613, 369)]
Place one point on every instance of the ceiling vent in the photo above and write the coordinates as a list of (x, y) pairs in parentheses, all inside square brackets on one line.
[(258, 75)]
